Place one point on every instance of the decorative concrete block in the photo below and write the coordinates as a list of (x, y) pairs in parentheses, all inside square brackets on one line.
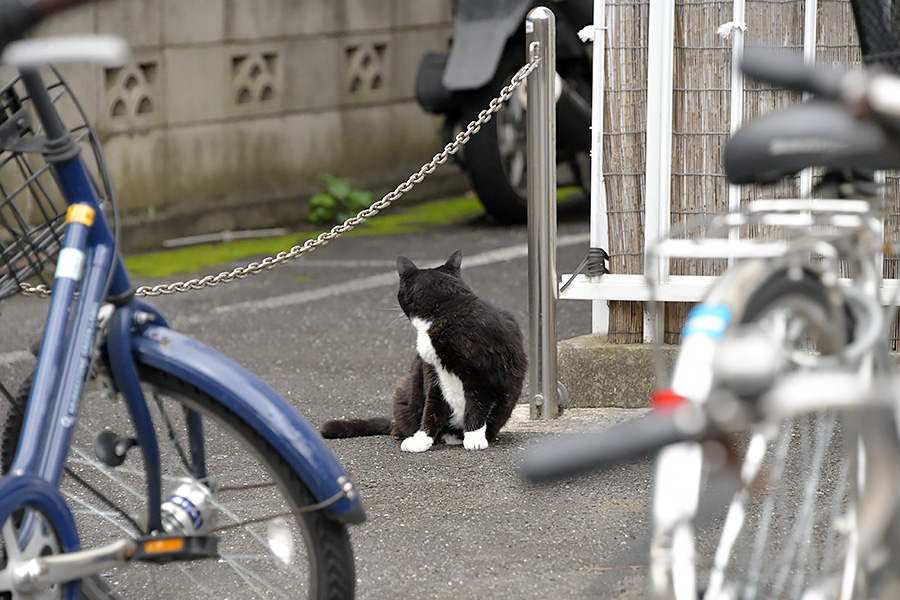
[(193, 22), (253, 19), (366, 69), (196, 84), (231, 105), (132, 96), (256, 79), (139, 22), (313, 69)]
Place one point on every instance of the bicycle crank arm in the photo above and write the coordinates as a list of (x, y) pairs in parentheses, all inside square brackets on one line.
[(38, 574)]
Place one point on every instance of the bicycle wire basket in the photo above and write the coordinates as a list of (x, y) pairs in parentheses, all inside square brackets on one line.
[(878, 26), (32, 206)]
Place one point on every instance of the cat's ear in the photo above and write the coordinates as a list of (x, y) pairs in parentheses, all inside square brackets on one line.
[(454, 261), (405, 266)]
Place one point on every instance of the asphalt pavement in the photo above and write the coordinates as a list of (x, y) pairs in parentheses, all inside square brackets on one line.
[(326, 332)]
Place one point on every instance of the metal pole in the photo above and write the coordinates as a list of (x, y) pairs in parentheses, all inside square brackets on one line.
[(543, 289)]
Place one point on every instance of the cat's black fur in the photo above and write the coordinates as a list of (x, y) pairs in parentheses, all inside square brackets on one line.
[(473, 340)]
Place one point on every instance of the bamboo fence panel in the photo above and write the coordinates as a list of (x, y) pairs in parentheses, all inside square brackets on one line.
[(624, 143), (700, 121)]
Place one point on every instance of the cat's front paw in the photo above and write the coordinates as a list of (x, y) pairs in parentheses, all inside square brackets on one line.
[(420, 442), (475, 440)]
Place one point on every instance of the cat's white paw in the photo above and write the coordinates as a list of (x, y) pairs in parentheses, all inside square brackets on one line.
[(420, 442), (452, 440), (475, 440)]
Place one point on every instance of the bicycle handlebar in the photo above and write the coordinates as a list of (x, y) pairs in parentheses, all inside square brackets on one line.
[(576, 454), (873, 92), (791, 72), (18, 17)]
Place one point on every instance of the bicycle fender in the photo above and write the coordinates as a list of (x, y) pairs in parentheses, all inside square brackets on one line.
[(256, 403)]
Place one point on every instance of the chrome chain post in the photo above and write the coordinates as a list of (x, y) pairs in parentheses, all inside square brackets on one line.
[(270, 262)]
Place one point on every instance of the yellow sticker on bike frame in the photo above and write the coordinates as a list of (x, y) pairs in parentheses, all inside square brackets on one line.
[(79, 213)]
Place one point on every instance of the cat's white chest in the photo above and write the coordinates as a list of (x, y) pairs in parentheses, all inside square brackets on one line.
[(423, 342), (451, 386)]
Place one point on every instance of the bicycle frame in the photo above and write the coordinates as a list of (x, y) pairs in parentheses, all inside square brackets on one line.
[(680, 466), (89, 268)]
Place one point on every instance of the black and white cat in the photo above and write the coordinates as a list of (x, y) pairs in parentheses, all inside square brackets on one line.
[(468, 374)]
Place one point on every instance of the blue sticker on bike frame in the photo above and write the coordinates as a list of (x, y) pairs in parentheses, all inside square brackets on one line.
[(707, 319)]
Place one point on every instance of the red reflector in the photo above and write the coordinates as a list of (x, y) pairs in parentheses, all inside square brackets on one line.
[(665, 400)]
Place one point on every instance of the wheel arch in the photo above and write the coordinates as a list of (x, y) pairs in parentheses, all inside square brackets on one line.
[(257, 404)]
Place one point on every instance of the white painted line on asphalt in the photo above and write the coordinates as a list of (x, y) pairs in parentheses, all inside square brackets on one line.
[(342, 264), (296, 298), (375, 281), (349, 287)]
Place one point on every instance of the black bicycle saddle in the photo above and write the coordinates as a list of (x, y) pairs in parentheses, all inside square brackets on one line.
[(813, 134)]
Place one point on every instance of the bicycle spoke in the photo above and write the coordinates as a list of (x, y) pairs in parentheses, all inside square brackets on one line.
[(804, 517), (253, 579), (170, 431), (775, 475), (737, 512)]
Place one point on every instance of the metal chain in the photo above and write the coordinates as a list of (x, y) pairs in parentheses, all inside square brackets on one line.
[(42, 291)]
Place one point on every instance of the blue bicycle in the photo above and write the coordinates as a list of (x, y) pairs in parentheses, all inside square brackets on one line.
[(139, 463)]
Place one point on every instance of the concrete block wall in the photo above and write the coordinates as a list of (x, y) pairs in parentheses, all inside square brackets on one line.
[(230, 110)]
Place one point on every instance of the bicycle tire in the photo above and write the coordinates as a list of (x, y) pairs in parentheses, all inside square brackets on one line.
[(252, 480), (783, 531)]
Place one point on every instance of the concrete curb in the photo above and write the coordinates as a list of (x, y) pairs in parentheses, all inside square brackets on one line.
[(602, 375), (598, 375), (581, 420)]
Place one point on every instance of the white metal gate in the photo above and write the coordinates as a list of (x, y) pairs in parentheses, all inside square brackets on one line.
[(823, 29)]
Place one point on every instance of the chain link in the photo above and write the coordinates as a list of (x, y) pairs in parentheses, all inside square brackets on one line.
[(254, 268)]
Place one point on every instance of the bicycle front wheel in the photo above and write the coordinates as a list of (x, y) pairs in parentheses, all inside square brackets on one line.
[(250, 498), (789, 529)]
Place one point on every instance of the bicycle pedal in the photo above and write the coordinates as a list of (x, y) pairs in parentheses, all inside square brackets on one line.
[(158, 549)]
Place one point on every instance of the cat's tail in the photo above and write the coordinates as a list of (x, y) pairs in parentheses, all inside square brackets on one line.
[(348, 428)]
